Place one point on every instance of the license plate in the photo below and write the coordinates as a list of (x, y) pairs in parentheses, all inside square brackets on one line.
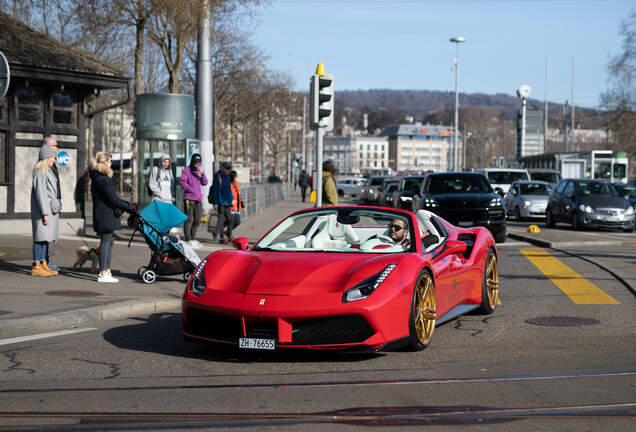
[(254, 343), (465, 224)]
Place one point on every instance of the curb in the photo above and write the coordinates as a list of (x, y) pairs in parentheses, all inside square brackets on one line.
[(65, 320), (550, 244)]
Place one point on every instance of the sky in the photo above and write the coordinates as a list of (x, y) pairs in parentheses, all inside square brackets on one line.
[(405, 44)]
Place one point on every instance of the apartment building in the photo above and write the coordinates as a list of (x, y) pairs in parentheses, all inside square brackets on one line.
[(420, 147)]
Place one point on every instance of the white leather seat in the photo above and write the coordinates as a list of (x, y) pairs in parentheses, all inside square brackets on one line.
[(334, 235)]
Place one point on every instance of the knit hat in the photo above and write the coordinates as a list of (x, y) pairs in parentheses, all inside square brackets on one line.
[(165, 156), (46, 152)]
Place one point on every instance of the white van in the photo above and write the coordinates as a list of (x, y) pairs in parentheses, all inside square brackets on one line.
[(503, 177)]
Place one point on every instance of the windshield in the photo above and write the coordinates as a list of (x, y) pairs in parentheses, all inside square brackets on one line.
[(340, 230), (627, 190), (506, 177), (458, 183), (546, 176), (376, 181), (534, 189), (408, 184), (597, 189)]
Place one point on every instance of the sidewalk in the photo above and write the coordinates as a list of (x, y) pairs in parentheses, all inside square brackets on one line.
[(30, 305)]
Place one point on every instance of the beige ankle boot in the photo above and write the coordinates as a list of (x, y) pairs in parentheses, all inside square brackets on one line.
[(38, 270), (46, 266)]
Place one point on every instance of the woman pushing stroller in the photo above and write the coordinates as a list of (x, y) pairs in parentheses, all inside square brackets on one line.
[(107, 211)]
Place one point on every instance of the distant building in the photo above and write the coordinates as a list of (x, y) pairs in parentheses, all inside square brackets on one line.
[(356, 154), (420, 147)]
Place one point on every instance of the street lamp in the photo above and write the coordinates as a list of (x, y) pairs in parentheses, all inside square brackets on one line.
[(457, 40)]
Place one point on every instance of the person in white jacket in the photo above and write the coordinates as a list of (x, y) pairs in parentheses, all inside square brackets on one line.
[(161, 179)]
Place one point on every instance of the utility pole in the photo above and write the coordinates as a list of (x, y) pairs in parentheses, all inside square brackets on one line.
[(204, 108)]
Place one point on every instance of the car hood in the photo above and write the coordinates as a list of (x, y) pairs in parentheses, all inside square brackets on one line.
[(467, 200), (605, 202), (290, 273), (534, 198)]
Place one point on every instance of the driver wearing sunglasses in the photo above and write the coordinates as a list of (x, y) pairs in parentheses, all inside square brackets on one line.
[(398, 229)]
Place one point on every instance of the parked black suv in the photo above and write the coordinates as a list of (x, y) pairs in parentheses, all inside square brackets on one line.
[(464, 199), (589, 203)]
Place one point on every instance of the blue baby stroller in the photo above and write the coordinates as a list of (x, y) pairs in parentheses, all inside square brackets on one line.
[(154, 222)]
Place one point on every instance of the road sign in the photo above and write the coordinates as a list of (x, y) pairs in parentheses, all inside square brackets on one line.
[(4, 76)]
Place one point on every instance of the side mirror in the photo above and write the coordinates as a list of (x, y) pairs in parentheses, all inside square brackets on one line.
[(451, 247), (241, 243), (499, 191)]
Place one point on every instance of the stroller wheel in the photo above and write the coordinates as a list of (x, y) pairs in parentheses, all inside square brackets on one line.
[(148, 276), (141, 271)]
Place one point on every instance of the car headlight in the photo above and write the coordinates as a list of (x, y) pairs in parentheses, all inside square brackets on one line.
[(429, 202), (496, 202), (406, 198), (586, 208), (527, 203), (365, 288), (629, 210), (197, 280)]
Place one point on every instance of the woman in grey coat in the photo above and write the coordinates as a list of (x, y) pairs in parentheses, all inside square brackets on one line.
[(45, 211)]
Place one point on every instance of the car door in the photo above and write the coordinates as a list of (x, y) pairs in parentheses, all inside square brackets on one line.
[(511, 198), (567, 203)]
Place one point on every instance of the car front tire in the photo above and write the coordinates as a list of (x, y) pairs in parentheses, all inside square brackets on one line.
[(423, 314), (549, 219), (576, 221), (490, 284)]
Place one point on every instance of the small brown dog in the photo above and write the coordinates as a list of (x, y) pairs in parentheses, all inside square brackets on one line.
[(84, 254)]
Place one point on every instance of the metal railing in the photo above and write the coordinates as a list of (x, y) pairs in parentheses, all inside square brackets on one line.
[(261, 196)]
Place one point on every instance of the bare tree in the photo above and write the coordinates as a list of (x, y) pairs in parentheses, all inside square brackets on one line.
[(621, 101)]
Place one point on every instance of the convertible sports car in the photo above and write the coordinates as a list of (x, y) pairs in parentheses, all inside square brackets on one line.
[(338, 278)]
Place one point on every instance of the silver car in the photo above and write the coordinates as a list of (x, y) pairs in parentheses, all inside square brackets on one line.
[(527, 199), (371, 189), (350, 186)]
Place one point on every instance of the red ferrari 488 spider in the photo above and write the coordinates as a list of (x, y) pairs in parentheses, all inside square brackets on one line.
[(342, 278)]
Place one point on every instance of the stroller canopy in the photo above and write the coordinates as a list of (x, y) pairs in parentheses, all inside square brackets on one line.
[(162, 216)]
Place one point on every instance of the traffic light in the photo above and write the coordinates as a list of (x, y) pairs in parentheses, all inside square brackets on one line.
[(321, 99)]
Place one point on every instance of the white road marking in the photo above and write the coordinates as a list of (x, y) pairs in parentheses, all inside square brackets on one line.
[(44, 335)]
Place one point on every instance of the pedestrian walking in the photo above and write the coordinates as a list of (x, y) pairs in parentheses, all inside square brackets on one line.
[(192, 179), (107, 210), (221, 198), (236, 207), (45, 211), (303, 182), (329, 193), (161, 181)]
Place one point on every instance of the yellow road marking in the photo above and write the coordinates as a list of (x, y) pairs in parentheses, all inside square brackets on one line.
[(575, 286)]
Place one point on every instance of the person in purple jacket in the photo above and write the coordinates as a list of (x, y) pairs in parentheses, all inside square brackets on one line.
[(192, 178)]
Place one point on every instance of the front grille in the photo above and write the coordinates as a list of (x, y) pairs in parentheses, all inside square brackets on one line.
[(610, 211), (329, 331), (210, 325), (338, 330)]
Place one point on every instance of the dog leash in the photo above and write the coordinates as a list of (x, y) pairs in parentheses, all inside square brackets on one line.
[(90, 249)]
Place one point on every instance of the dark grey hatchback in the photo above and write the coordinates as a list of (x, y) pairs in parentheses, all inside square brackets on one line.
[(589, 203)]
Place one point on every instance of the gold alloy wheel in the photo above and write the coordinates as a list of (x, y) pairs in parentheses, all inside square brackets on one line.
[(425, 309), (492, 280)]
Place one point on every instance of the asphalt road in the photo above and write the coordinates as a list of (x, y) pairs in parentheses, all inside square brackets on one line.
[(498, 372)]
